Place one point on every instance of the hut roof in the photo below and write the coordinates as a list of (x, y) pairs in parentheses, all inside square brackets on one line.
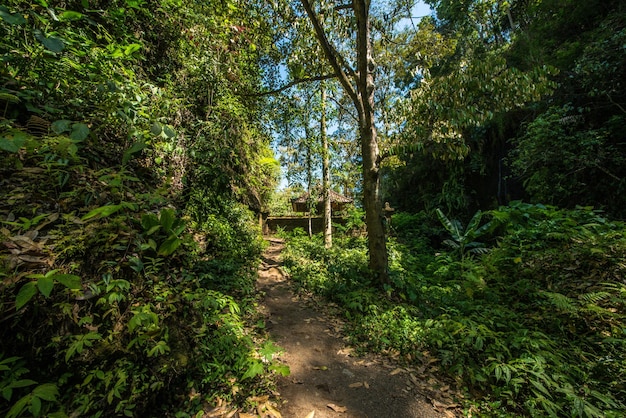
[(334, 198)]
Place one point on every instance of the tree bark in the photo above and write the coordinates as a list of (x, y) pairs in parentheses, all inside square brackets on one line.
[(309, 178), (359, 86), (328, 227), (377, 243)]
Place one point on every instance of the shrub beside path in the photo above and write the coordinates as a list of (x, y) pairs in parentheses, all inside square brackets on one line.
[(327, 379)]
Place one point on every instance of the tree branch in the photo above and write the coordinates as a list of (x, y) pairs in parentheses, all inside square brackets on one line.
[(331, 54), (291, 84), (342, 107), (344, 6)]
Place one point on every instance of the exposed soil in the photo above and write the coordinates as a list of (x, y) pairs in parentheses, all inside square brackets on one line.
[(327, 379)]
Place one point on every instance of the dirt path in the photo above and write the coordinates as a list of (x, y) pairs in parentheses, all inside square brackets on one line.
[(326, 379)]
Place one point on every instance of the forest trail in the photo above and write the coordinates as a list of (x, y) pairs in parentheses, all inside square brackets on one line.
[(327, 379)]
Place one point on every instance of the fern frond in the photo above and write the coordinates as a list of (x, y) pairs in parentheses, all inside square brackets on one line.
[(594, 297), (561, 302)]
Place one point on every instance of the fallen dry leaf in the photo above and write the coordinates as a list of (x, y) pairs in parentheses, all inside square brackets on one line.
[(272, 412), (311, 415), (442, 406), (396, 371), (346, 351), (337, 408), (356, 385), (367, 386), (260, 399)]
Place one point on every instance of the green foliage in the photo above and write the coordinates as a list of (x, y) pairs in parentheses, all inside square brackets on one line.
[(45, 284), (557, 157), (109, 113), (169, 227), (37, 401), (533, 327), (463, 240)]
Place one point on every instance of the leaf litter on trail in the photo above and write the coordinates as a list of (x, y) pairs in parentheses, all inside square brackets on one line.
[(397, 371), (337, 408)]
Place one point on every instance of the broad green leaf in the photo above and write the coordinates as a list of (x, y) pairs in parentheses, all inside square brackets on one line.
[(69, 16), (281, 369), (45, 285), (7, 393), (10, 18), (9, 98), (452, 227), (80, 132), (473, 223), (35, 406), (8, 145), (25, 294), (156, 129), (18, 408), (178, 227), (49, 274), (8, 360), (52, 43), (60, 126), (22, 383), (47, 392), (102, 212), (136, 147), (136, 264), (148, 221), (169, 245), (269, 349), (131, 49), (255, 369), (169, 132), (167, 218), (70, 281), (12, 141), (153, 229)]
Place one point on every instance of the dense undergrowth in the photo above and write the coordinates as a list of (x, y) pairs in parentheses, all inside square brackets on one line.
[(128, 251), (525, 312)]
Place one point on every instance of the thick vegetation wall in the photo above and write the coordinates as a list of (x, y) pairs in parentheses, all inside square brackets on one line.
[(565, 148), (128, 167)]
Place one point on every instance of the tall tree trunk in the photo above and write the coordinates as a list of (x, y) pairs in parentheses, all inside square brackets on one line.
[(377, 243), (328, 227), (362, 95)]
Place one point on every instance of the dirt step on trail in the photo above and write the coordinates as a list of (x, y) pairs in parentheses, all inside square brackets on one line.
[(327, 379)]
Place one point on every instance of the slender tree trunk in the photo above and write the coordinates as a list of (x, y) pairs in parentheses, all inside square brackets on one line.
[(309, 178), (328, 227)]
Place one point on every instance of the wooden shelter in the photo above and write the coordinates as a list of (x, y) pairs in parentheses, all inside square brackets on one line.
[(337, 202)]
